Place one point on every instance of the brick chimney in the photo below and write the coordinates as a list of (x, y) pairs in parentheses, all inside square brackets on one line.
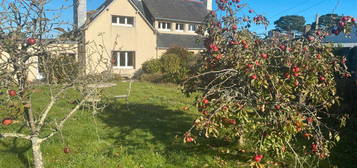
[(80, 13), (208, 4)]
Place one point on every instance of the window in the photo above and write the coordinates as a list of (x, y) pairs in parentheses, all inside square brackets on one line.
[(192, 27), (165, 26), (123, 59), (123, 21), (179, 27)]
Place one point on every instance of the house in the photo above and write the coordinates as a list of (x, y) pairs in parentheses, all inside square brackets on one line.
[(343, 40), (131, 32)]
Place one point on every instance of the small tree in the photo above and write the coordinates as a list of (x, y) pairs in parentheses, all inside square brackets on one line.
[(290, 23), (25, 38), (270, 98)]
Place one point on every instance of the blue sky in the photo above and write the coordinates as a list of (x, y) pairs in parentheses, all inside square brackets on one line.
[(272, 9)]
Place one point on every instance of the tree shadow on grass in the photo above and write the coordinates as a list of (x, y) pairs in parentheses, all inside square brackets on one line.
[(153, 127), (17, 148)]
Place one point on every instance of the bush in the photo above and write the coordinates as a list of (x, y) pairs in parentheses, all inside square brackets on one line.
[(268, 97), (152, 66), (174, 65)]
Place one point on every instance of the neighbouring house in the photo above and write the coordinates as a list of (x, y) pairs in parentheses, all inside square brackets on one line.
[(130, 32), (275, 33), (343, 40)]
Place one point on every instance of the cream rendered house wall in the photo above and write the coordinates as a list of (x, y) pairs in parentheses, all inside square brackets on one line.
[(139, 38), (33, 73)]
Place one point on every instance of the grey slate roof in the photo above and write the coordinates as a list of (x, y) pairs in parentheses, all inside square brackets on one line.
[(173, 40), (177, 10), (341, 38), (180, 10)]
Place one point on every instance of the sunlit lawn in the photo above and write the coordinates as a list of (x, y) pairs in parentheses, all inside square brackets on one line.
[(147, 135)]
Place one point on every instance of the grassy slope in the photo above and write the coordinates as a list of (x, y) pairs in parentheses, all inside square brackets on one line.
[(148, 135)]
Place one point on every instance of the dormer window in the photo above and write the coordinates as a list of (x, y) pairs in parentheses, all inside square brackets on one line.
[(166, 26), (179, 27), (192, 27), (123, 21)]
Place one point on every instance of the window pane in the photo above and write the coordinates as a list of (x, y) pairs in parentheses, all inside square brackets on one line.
[(131, 58), (114, 19), (122, 20), (160, 25), (122, 59), (168, 25), (130, 20), (192, 27), (179, 26)]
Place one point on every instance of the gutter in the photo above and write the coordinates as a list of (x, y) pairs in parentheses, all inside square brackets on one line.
[(178, 20)]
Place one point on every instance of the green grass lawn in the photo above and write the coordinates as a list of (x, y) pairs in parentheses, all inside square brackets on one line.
[(148, 135)]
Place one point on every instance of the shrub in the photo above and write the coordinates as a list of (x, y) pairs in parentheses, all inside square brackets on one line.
[(152, 66), (268, 97), (171, 63), (174, 65)]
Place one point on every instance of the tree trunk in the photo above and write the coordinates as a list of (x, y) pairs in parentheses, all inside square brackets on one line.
[(37, 154)]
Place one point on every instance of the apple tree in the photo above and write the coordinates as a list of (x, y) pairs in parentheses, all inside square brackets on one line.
[(271, 98), (27, 39)]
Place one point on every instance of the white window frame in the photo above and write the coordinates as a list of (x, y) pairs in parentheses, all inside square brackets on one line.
[(189, 27), (126, 60), (164, 26), (126, 21), (178, 25)]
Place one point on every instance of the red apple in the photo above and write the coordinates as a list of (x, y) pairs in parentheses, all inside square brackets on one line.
[(354, 20), (189, 139), (311, 38), (296, 74), (296, 83), (257, 63), (66, 150), (12, 93), (314, 147), (318, 56), (321, 78), (341, 24), (31, 41), (318, 33), (345, 18), (287, 75), (253, 77), (282, 47), (7, 121), (277, 107), (309, 120), (258, 158), (205, 101), (263, 55), (234, 27), (250, 66), (245, 46), (296, 69)]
